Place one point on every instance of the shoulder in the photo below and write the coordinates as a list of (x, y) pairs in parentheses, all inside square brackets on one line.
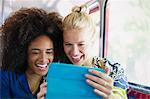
[(10, 75), (6, 80), (10, 79), (98, 62), (115, 68), (13, 84), (7, 73), (117, 72)]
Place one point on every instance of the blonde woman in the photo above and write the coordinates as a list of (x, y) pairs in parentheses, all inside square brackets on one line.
[(79, 36)]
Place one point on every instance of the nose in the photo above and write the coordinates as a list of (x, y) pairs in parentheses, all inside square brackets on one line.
[(75, 50), (43, 58)]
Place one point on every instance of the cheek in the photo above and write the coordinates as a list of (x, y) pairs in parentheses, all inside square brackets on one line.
[(67, 52), (86, 51), (89, 47), (66, 49), (51, 58), (31, 59)]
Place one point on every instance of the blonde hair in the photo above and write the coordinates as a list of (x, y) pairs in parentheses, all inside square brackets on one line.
[(79, 19)]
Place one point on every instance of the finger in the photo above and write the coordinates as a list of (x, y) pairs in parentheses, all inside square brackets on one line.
[(105, 96), (44, 80), (42, 92), (99, 87), (44, 84), (101, 75), (100, 93), (40, 95), (99, 81)]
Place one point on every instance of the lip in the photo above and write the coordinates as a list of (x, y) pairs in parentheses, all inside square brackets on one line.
[(42, 65), (42, 68), (76, 60)]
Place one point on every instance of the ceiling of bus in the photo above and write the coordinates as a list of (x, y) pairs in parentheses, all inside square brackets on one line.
[(62, 6)]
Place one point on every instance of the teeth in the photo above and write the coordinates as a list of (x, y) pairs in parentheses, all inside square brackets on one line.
[(40, 65), (75, 57)]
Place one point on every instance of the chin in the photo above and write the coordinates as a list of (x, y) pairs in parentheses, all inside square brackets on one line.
[(43, 73), (77, 63)]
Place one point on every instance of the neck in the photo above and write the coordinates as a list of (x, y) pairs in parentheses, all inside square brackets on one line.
[(33, 81), (88, 62)]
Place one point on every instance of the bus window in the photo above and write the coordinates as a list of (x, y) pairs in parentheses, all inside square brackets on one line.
[(128, 38)]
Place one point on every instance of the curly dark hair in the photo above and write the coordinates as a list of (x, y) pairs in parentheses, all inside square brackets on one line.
[(21, 28)]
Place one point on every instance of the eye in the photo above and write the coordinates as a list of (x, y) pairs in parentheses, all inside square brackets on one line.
[(82, 44), (35, 52), (49, 52), (68, 44)]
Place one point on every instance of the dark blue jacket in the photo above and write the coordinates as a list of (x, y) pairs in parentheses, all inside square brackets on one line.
[(14, 85)]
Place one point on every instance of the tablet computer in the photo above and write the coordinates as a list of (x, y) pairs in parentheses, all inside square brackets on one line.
[(67, 81)]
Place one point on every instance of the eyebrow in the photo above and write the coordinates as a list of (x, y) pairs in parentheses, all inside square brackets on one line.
[(77, 42), (66, 42), (34, 49)]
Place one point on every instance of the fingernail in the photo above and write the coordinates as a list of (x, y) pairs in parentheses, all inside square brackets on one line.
[(86, 75), (87, 80), (90, 70)]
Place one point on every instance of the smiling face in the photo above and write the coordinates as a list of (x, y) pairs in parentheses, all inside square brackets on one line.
[(40, 54), (77, 46)]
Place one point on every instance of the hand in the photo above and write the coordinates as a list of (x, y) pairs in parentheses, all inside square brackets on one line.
[(42, 92), (101, 82)]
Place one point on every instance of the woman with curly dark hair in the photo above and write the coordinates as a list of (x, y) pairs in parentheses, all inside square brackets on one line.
[(32, 39)]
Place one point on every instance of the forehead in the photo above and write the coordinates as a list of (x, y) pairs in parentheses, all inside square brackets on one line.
[(76, 35), (42, 42)]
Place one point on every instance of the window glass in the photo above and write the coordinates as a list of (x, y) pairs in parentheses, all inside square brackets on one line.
[(62, 6), (128, 38)]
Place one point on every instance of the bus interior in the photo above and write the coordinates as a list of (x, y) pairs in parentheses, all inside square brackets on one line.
[(123, 30)]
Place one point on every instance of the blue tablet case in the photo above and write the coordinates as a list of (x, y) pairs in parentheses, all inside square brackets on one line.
[(67, 81)]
